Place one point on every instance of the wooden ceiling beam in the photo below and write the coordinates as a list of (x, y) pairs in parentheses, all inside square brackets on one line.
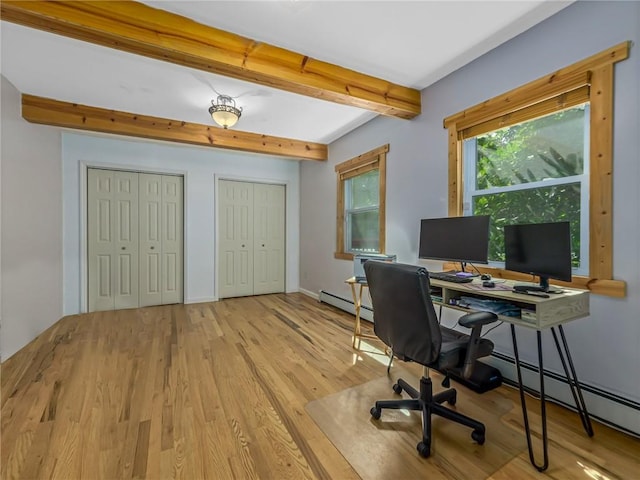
[(137, 28), (71, 115)]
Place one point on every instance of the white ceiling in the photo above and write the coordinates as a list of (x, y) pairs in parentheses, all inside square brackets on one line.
[(412, 43)]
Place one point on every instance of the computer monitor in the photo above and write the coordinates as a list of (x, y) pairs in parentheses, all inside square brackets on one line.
[(542, 249), (455, 239)]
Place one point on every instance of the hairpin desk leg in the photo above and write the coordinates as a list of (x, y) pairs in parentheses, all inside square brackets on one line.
[(572, 379), (543, 407)]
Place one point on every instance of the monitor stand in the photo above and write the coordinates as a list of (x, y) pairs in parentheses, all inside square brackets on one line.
[(463, 272), (458, 273), (546, 288), (525, 287)]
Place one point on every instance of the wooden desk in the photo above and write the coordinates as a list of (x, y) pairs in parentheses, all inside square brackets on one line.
[(544, 312), (539, 314)]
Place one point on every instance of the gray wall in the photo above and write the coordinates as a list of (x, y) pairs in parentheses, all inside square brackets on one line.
[(31, 226), (605, 346)]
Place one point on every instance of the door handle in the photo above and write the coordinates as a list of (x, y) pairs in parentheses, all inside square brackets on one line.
[(124, 248), (152, 248)]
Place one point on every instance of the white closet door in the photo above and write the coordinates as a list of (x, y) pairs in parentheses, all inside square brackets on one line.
[(172, 229), (269, 241), (235, 225), (126, 239), (150, 239), (112, 239)]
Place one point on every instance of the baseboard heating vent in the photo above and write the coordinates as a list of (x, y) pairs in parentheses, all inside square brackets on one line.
[(614, 410), (343, 304)]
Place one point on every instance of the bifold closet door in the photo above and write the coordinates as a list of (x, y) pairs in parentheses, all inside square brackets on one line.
[(251, 238), (112, 239), (160, 239), (268, 238), (135, 232), (235, 225)]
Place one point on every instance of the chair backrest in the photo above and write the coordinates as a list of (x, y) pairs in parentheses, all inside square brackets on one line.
[(403, 314)]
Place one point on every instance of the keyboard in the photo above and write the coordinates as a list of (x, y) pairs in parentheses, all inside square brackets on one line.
[(449, 277)]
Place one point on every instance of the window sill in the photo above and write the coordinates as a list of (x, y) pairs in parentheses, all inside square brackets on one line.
[(606, 287)]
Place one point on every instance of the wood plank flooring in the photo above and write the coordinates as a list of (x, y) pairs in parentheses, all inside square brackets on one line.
[(218, 391)]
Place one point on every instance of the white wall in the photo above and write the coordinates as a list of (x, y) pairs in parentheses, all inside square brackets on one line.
[(201, 168), (605, 346), (31, 226)]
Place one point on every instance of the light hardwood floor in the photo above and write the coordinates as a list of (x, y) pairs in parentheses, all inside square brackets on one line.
[(218, 390)]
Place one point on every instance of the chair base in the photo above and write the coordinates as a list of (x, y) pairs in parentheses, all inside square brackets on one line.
[(429, 404)]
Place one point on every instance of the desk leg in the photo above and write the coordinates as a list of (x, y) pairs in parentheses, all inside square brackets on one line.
[(357, 303), (543, 406), (572, 380)]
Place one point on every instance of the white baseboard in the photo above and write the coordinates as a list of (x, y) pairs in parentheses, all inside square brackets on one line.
[(200, 300), (611, 409), (309, 293)]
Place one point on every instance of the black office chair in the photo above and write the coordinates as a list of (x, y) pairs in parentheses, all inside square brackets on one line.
[(405, 320)]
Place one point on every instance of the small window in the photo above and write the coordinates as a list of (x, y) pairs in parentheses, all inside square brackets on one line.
[(361, 207), (362, 213)]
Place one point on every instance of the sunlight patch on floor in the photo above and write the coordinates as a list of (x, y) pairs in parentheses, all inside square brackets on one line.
[(370, 351), (592, 473)]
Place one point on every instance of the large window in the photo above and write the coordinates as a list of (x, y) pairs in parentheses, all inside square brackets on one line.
[(544, 152), (361, 204), (532, 172)]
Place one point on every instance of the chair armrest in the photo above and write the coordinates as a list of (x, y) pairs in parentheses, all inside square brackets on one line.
[(475, 321)]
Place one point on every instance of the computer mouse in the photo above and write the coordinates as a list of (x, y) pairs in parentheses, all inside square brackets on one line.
[(488, 284), (485, 276)]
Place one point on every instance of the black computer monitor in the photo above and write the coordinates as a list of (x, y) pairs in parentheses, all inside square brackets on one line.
[(542, 249), (455, 239)]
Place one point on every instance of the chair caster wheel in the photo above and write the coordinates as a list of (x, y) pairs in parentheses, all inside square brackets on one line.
[(424, 450), (397, 388), (478, 437), (375, 413)]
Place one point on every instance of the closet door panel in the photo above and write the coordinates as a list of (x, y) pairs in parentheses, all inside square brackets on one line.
[(126, 239), (235, 236), (150, 239), (171, 239), (269, 238), (100, 239)]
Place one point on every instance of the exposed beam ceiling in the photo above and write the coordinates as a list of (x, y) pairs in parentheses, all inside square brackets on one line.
[(143, 30), (71, 115)]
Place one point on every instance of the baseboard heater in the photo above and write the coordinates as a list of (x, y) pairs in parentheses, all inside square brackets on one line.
[(606, 407), (366, 313)]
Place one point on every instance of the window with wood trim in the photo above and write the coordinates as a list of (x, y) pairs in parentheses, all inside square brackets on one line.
[(360, 212), (481, 139)]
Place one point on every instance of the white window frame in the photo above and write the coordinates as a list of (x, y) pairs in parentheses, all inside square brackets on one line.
[(469, 156), (348, 211)]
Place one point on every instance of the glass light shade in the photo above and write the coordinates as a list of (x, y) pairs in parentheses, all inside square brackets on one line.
[(224, 112), (224, 118)]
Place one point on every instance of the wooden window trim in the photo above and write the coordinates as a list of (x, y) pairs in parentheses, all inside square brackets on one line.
[(373, 160), (565, 85)]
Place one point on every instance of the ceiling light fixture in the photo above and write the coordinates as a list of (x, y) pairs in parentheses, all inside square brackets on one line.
[(224, 111)]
